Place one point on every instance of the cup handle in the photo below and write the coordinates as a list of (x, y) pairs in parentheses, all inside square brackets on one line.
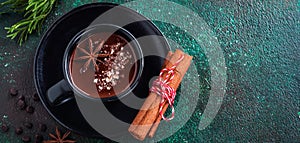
[(60, 93)]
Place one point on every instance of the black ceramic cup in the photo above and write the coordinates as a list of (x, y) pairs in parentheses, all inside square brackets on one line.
[(49, 70), (102, 62)]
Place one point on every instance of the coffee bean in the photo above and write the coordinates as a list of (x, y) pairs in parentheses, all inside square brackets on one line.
[(26, 139), (36, 97), (28, 125), (38, 138), (42, 127), (21, 104), (30, 109), (19, 130), (21, 97), (13, 92), (4, 128)]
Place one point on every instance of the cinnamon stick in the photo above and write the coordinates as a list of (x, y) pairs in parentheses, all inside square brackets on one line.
[(157, 121), (180, 69), (146, 106), (168, 57), (150, 109)]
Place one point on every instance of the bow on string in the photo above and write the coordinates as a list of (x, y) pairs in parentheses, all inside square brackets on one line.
[(162, 88)]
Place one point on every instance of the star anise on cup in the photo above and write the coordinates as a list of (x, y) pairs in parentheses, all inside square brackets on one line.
[(58, 138), (91, 56)]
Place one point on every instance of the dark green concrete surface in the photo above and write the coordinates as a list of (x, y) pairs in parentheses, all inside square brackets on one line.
[(261, 45)]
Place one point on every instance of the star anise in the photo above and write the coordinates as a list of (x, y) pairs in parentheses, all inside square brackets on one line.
[(91, 56), (58, 138)]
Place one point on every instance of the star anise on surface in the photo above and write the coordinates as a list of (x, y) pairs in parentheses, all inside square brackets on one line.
[(91, 56), (58, 138)]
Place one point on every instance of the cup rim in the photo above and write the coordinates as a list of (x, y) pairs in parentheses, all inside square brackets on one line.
[(129, 89)]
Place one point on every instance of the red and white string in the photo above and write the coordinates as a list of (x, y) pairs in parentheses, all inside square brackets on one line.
[(161, 87)]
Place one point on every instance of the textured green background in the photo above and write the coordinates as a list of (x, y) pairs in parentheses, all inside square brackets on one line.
[(261, 45)]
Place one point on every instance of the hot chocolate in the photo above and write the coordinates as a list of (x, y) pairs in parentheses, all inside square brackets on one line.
[(103, 65)]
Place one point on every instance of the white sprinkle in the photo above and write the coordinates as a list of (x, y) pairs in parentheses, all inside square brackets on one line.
[(113, 83), (108, 79), (109, 74), (95, 80), (112, 51), (108, 88), (116, 68), (116, 76)]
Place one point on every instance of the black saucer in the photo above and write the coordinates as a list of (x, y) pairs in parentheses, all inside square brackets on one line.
[(49, 59)]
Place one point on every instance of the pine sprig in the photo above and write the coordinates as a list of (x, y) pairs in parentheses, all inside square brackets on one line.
[(16, 6), (36, 12)]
